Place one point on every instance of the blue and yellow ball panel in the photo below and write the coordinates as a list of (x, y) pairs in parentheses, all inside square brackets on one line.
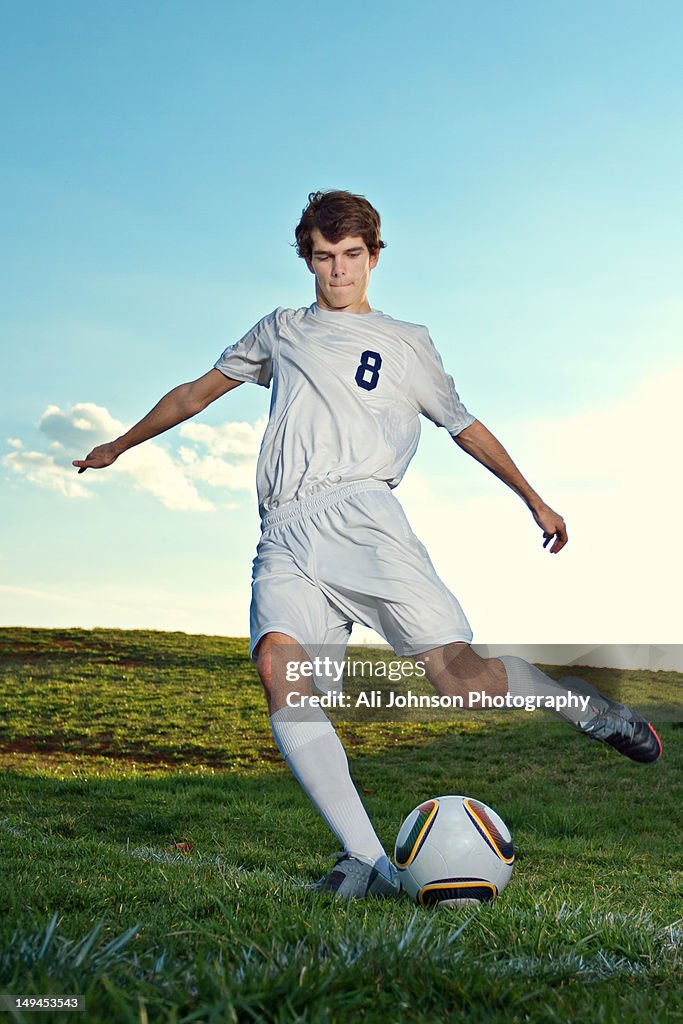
[(503, 848), (456, 889), (408, 850)]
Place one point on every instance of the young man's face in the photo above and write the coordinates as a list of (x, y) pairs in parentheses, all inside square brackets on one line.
[(342, 273)]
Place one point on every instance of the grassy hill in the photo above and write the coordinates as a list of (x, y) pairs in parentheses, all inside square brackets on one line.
[(154, 849)]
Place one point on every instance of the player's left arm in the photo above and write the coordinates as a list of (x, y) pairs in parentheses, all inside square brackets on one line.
[(481, 444)]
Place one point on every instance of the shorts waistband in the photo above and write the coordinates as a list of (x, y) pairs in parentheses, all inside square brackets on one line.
[(322, 499)]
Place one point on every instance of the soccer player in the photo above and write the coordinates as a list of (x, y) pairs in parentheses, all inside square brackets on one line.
[(349, 384)]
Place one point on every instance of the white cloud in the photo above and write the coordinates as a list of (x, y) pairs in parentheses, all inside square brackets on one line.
[(156, 471), (237, 439), (86, 424), (216, 472), (43, 471), (232, 453), (171, 477)]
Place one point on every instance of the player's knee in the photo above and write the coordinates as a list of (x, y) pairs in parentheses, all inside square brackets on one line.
[(267, 655)]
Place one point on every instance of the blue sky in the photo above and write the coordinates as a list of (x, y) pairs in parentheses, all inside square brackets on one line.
[(527, 162)]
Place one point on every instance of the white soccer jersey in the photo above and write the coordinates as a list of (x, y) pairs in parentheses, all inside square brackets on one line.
[(348, 390)]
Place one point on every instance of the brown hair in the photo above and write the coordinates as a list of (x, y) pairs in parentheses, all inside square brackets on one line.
[(337, 215)]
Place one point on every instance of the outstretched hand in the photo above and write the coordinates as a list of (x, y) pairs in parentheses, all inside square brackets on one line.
[(101, 456), (553, 526)]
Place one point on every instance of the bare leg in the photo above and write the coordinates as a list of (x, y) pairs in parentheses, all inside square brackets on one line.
[(456, 670), (274, 653)]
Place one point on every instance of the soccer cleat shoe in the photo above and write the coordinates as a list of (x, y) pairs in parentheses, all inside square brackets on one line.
[(354, 877), (624, 729)]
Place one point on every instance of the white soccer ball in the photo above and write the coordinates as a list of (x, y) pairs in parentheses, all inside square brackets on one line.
[(453, 851)]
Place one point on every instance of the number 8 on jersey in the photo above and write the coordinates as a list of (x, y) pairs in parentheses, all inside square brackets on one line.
[(367, 374)]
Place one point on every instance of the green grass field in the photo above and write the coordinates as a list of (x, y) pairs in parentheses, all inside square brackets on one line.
[(153, 849)]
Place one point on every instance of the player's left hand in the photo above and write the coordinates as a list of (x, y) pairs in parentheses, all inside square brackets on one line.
[(553, 526)]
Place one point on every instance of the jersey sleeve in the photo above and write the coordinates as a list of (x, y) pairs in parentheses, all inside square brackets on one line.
[(432, 390), (251, 358)]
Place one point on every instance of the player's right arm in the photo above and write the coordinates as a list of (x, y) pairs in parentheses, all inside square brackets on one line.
[(178, 405)]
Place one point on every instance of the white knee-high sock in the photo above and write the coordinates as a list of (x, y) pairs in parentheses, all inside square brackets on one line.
[(310, 746), (527, 680)]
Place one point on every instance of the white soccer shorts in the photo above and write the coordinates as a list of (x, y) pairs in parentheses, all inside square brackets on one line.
[(345, 555)]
